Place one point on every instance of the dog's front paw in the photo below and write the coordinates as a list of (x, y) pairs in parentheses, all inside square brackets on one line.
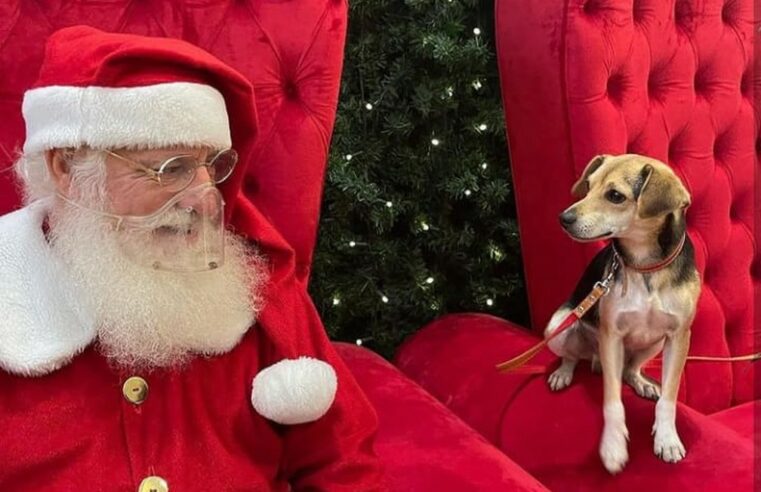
[(667, 445), (613, 447), (561, 378)]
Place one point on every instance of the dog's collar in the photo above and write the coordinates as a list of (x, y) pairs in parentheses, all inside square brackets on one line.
[(655, 266)]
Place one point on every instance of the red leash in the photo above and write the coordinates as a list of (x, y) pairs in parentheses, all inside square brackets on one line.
[(600, 289)]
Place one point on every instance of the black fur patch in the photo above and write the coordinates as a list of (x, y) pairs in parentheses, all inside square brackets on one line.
[(593, 273)]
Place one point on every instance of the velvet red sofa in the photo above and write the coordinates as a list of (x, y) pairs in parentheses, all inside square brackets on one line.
[(293, 53), (670, 79)]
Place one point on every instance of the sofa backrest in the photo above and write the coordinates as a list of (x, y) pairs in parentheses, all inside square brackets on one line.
[(669, 79), (291, 51)]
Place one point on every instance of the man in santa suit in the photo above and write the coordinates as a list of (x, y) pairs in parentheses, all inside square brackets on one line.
[(144, 345)]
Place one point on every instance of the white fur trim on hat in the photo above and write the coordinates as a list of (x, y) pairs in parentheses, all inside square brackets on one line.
[(153, 116), (294, 391)]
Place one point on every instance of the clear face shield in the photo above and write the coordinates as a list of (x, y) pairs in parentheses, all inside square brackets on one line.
[(186, 234)]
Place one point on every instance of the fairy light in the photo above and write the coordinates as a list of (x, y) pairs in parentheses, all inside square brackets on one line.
[(477, 84), (484, 165), (384, 299), (424, 226), (482, 127), (476, 31), (489, 302), (435, 142), (429, 280), (349, 157), (368, 107), (352, 244), (389, 204), (336, 301), (468, 192)]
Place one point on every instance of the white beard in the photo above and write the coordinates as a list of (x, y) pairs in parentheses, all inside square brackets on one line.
[(149, 318)]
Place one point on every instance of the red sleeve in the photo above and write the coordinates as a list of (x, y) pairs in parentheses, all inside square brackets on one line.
[(335, 452)]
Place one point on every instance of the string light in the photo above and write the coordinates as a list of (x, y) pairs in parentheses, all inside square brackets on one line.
[(477, 84), (336, 301), (368, 106), (424, 226), (467, 192), (435, 142), (450, 91), (352, 244), (389, 204), (489, 302), (361, 341), (384, 299), (496, 253), (429, 280), (349, 157), (476, 31), (484, 165), (482, 127)]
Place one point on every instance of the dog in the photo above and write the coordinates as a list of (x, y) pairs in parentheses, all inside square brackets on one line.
[(639, 204)]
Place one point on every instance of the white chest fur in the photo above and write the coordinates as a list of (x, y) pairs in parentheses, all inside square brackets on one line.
[(642, 316)]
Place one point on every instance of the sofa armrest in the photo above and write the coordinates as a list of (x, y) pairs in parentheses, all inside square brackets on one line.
[(424, 446), (555, 436)]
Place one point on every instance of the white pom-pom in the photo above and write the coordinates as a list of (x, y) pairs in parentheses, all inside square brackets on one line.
[(294, 391)]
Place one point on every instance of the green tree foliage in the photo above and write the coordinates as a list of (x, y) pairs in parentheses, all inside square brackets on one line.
[(418, 218)]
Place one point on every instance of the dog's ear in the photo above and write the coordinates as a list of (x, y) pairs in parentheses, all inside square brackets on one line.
[(581, 187), (659, 193)]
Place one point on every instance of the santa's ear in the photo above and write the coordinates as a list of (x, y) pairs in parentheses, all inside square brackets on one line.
[(581, 187), (661, 192), (57, 161)]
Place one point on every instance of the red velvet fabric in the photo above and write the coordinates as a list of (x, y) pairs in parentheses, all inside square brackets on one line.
[(291, 51), (196, 429), (555, 436), (424, 446), (673, 80), (581, 77)]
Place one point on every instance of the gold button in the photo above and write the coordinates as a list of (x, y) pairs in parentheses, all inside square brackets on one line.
[(135, 390), (153, 484)]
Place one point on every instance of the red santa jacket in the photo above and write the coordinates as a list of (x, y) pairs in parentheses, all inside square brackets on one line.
[(279, 409), (71, 422)]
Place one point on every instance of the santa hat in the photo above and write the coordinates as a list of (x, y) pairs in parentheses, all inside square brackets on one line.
[(109, 91)]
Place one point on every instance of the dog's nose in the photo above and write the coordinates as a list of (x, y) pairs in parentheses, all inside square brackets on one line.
[(567, 218)]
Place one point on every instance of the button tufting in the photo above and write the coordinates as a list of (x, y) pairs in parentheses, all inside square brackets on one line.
[(589, 7), (700, 83), (727, 14), (682, 12), (638, 12), (291, 90), (615, 88)]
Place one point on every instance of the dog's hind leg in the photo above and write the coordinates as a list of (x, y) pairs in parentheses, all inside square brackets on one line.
[(571, 346), (643, 385)]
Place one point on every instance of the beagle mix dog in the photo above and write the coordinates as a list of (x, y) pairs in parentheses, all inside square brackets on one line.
[(638, 203)]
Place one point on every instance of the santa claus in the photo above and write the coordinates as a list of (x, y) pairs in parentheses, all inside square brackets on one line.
[(144, 345)]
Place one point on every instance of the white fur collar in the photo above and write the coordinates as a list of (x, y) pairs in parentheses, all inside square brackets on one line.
[(42, 325)]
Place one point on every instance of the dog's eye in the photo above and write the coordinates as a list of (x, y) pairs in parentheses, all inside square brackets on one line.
[(614, 196)]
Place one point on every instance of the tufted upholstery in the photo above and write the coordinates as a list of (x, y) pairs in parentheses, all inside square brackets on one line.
[(292, 51), (673, 80), (296, 76)]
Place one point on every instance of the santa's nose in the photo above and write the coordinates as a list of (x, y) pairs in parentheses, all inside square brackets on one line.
[(204, 203)]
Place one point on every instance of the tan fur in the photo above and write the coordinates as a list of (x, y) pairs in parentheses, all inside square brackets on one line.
[(636, 321)]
